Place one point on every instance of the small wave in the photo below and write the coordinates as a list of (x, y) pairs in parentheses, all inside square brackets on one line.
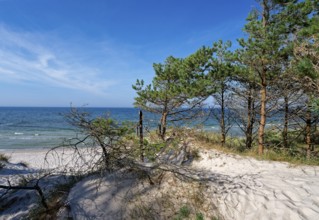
[(36, 134), (6, 124), (18, 133), (20, 138)]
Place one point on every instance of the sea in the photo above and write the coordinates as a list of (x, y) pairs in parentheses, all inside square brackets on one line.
[(39, 127)]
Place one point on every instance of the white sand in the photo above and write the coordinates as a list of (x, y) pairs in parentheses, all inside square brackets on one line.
[(241, 188), (251, 189), (33, 157)]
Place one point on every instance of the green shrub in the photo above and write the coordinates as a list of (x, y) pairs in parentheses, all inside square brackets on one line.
[(199, 216), (184, 211), (273, 138)]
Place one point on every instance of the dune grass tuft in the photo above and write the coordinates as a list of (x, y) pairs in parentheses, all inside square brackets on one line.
[(296, 154), (4, 158)]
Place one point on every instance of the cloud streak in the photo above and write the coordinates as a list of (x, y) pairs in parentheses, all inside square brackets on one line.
[(33, 58)]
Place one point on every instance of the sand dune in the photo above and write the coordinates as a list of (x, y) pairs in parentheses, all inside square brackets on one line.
[(252, 189), (241, 188)]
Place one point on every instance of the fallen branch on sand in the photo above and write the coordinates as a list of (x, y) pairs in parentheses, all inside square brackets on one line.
[(36, 187)]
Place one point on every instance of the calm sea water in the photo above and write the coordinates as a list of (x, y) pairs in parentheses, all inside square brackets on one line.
[(22, 127), (46, 127)]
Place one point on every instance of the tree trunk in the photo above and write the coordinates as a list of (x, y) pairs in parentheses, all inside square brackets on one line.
[(250, 119), (141, 136), (263, 90), (285, 130), (106, 156), (308, 131), (163, 125), (314, 130), (261, 131), (222, 117)]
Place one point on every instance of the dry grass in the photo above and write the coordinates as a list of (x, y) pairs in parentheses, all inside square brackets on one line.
[(210, 140), (4, 158), (174, 198)]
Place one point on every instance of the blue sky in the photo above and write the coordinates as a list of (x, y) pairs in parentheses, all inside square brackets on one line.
[(57, 52)]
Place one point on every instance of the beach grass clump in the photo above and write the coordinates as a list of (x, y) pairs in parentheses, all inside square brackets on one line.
[(212, 140), (274, 151), (4, 158), (283, 155), (199, 216), (183, 213)]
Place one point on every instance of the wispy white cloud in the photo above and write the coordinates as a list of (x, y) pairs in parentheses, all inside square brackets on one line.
[(35, 58)]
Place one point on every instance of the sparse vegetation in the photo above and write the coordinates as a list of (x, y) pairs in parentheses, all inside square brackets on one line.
[(183, 213), (199, 216), (296, 154), (176, 198), (4, 158)]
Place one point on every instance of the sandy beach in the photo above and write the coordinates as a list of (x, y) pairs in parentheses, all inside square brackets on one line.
[(241, 188), (33, 157), (250, 189)]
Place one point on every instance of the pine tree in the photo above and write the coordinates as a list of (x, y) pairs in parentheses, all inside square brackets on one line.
[(178, 89), (221, 70), (264, 51)]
